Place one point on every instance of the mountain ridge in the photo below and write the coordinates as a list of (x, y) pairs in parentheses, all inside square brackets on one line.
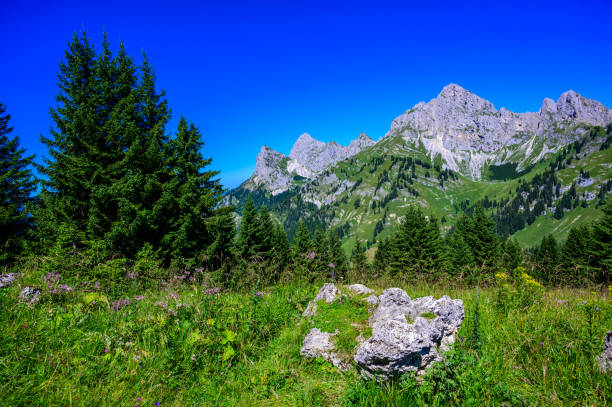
[(445, 155)]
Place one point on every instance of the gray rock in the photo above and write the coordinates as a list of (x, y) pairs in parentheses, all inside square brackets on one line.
[(371, 299), (402, 340), (604, 360), (360, 289), (327, 293), (7, 279), (30, 294), (319, 344)]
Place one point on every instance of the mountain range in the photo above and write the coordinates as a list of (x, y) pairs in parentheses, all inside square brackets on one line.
[(444, 155)]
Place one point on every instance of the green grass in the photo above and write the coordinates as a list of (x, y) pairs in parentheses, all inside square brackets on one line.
[(182, 347)]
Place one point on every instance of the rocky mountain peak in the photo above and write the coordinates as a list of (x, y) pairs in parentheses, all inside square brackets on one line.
[(470, 133)]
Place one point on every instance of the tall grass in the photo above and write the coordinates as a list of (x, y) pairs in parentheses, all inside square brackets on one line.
[(181, 345)]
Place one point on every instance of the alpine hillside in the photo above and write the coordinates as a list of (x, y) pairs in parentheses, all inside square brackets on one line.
[(536, 173)]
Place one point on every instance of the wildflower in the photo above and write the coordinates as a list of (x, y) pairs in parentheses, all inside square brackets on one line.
[(139, 297), (541, 343), (158, 404), (524, 380), (121, 303), (106, 350), (96, 285), (259, 294), (515, 367), (215, 290), (139, 399), (173, 296), (596, 308)]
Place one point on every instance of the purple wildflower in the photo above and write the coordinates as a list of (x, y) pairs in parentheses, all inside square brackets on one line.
[(311, 255), (215, 290), (515, 367), (139, 297), (139, 399), (158, 404), (541, 343), (121, 303), (96, 285), (259, 294), (173, 296), (596, 308)]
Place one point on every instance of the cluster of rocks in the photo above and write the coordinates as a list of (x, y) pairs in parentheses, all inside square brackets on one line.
[(604, 360), (403, 338), (27, 294)]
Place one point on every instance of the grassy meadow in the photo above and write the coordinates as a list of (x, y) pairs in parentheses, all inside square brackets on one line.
[(185, 343)]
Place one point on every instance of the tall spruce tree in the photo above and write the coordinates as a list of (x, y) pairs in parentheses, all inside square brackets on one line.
[(245, 244), (381, 257), (338, 262), (546, 257), (486, 243), (112, 171), (574, 255), (358, 258), (417, 247), (264, 234), (282, 251), (16, 186), (72, 147)]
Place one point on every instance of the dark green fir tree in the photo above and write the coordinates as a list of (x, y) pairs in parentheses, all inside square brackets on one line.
[(16, 186)]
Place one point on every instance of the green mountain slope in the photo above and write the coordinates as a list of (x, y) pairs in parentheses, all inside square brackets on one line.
[(521, 179)]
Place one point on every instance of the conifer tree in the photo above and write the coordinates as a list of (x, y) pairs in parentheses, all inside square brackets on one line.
[(511, 254), (460, 253), (113, 172), (322, 252), (245, 244), (486, 242), (264, 234), (546, 257), (417, 247), (358, 258), (574, 255), (381, 257), (220, 251), (338, 261), (302, 244), (71, 165), (282, 251), (16, 186)]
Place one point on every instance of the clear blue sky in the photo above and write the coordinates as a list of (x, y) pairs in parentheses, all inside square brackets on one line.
[(259, 72)]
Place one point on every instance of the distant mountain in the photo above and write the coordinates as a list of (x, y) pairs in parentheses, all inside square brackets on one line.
[(469, 133), (307, 159), (445, 155)]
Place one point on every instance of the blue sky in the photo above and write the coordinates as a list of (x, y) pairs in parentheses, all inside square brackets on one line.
[(253, 73)]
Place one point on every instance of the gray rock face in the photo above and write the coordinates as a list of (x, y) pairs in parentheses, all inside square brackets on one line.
[(308, 158), (319, 344), (271, 171), (360, 289), (7, 279), (604, 360), (30, 294), (469, 133), (402, 340), (327, 293)]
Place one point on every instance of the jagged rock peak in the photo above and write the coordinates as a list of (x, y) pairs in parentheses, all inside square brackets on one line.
[(304, 142)]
